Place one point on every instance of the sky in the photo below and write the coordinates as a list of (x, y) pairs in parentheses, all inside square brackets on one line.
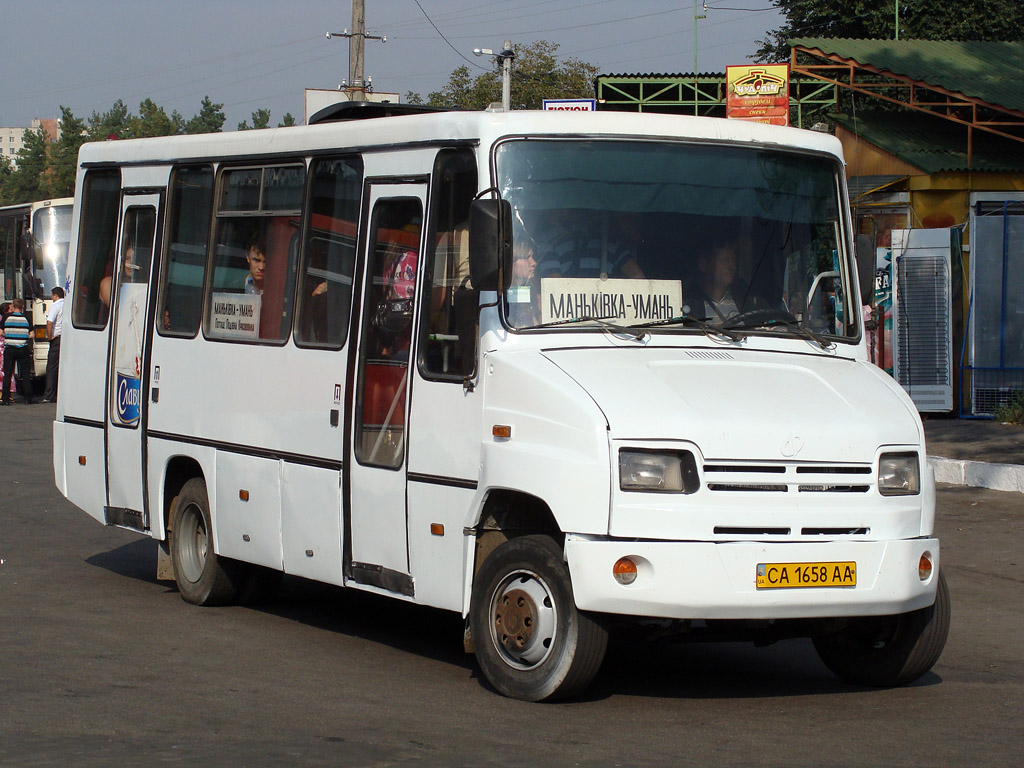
[(251, 54)]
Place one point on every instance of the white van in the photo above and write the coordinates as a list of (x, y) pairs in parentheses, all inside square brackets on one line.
[(555, 372)]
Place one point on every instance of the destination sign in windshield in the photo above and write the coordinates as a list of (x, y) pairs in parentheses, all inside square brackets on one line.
[(627, 301)]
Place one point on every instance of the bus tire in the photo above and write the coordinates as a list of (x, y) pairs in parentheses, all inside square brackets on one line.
[(530, 640), (889, 650), (203, 578)]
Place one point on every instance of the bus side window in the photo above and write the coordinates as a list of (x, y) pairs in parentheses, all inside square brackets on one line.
[(181, 302), (101, 200), (255, 253), (448, 325), (325, 294)]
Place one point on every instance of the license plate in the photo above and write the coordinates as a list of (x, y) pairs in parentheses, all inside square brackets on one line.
[(800, 575)]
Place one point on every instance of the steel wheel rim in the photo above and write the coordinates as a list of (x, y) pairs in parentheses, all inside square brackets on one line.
[(523, 620), (193, 544)]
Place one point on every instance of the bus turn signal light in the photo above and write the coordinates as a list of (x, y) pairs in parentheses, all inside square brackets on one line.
[(924, 566), (624, 571), (503, 431)]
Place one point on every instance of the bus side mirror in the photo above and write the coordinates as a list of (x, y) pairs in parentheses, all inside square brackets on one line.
[(490, 243), (866, 268)]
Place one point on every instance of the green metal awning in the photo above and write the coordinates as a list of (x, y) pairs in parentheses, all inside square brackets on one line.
[(975, 85)]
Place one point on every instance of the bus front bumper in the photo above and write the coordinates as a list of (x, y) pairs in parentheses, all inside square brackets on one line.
[(717, 580)]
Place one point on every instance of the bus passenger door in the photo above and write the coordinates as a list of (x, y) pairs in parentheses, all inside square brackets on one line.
[(376, 519), (127, 382)]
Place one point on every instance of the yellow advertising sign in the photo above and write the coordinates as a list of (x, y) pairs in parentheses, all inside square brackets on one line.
[(759, 93)]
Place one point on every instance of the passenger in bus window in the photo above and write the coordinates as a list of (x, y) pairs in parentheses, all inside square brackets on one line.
[(393, 318), (256, 257), (522, 294), (583, 243), (720, 293), (128, 268), (394, 313)]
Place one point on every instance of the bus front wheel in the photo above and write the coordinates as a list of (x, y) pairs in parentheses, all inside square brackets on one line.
[(889, 650), (202, 577), (530, 640)]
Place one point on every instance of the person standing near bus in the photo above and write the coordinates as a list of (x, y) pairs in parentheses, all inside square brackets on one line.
[(54, 325), (17, 352), (5, 310)]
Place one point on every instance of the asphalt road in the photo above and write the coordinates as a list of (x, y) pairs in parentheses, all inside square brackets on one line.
[(100, 664)]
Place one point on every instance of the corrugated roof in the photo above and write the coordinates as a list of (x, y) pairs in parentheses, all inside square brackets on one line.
[(990, 71), (931, 144), (660, 75)]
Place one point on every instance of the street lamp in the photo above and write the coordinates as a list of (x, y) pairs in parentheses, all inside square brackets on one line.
[(506, 56)]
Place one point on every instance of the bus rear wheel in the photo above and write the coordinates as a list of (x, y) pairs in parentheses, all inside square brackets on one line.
[(889, 650), (530, 640), (202, 577)]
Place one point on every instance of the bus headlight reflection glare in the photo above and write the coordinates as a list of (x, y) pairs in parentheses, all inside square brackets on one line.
[(657, 471), (899, 474)]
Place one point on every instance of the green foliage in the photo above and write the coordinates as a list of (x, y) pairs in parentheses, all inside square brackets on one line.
[(26, 183), (876, 19), (48, 169), (260, 119), (117, 122), (62, 158), (287, 121), (6, 174), (210, 119), (1012, 412), (152, 121), (536, 75)]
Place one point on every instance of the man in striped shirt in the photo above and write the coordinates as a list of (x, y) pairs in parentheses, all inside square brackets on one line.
[(17, 352)]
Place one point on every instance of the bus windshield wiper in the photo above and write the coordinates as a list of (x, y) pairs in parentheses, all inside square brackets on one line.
[(625, 330), (770, 318), (709, 329)]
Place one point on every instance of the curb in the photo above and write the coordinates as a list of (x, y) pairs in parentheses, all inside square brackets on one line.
[(978, 474)]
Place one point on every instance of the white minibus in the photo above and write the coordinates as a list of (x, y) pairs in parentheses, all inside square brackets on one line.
[(561, 373), (34, 239)]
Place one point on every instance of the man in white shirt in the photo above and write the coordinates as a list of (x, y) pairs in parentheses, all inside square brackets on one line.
[(54, 326)]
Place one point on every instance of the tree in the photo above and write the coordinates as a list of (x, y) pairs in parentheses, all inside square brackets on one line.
[(117, 121), (287, 121), (919, 20), (6, 175), (260, 119), (536, 75), (62, 160), (209, 120), (25, 184), (153, 121)]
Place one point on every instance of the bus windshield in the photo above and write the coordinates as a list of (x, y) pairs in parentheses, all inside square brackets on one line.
[(51, 235), (673, 236)]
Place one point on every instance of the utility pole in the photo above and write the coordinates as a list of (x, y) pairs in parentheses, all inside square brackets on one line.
[(356, 45), (506, 75), (506, 56), (695, 17)]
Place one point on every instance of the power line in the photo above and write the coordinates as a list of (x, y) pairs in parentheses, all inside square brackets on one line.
[(445, 39)]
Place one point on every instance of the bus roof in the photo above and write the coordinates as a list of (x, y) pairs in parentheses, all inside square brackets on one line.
[(440, 127), (28, 207)]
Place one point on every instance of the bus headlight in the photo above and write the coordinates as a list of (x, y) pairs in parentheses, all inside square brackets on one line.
[(899, 474), (658, 471)]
